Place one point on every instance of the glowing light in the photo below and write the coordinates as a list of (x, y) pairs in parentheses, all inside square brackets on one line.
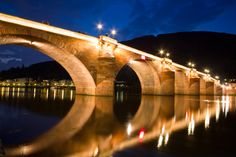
[(71, 94), (143, 57), (34, 92), (166, 138), (217, 110), (160, 140), (163, 129), (62, 94), (207, 119), (131, 61), (129, 129), (13, 92), (96, 151), (225, 105), (207, 71), (191, 64), (47, 93), (54, 94), (141, 134), (99, 26), (113, 32), (217, 77), (18, 92), (2, 91), (161, 52), (191, 126), (167, 54)]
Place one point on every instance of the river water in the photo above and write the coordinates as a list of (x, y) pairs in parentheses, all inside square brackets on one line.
[(56, 122)]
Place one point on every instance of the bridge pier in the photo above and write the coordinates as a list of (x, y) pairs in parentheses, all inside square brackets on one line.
[(194, 86), (210, 88), (219, 90), (105, 76), (167, 83), (181, 82)]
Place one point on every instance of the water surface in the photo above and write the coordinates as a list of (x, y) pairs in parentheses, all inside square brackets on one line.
[(42, 123)]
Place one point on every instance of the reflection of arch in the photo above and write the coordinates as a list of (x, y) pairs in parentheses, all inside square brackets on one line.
[(79, 73), (73, 122), (147, 113)]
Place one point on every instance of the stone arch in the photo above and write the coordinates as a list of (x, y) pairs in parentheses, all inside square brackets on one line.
[(194, 86), (166, 75), (148, 78), (181, 82), (80, 75)]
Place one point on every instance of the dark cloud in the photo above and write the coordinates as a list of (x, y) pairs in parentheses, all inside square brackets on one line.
[(165, 16)]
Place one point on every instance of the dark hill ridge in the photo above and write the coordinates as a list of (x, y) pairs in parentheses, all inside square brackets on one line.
[(40, 71), (217, 51)]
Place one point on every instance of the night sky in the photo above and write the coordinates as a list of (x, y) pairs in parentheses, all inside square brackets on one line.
[(131, 18)]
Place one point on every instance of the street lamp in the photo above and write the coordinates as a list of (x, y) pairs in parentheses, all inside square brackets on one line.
[(191, 64), (161, 52), (207, 71), (217, 77), (100, 27), (113, 32), (167, 55)]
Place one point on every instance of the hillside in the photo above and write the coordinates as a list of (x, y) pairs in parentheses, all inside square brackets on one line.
[(38, 71), (207, 49)]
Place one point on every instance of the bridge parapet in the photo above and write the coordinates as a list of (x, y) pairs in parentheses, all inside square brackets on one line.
[(166, 64), (107, 46), (193, 73)]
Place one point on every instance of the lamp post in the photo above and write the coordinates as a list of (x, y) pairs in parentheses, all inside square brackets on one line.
[(113, 32), (99, 27), (167, 55), (207, 71), (191, 65), (162, 52)]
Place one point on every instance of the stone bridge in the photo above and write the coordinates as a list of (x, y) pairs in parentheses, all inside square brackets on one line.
[(93, 63)]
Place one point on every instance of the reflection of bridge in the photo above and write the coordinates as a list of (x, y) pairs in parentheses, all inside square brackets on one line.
[(91, 126), (93, 63)]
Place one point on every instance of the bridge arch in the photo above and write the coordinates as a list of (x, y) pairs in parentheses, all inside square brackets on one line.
[(80, 75), (147, 76)]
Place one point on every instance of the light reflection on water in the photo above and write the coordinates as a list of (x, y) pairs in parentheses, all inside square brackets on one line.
[(27, 113), (103, 126)]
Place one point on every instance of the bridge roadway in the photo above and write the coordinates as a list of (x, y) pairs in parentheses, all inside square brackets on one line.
[(91, 127), (93, 63)]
